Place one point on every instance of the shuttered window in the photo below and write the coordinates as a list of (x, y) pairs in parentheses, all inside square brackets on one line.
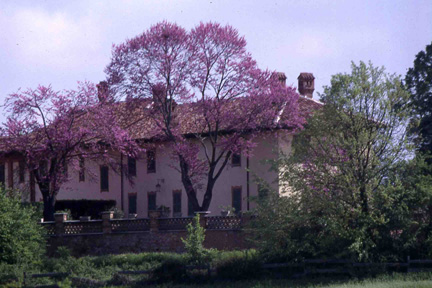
[(132, 203), (237, 199), (104, 180), (151, 205), (177, 202), (235, 160), (151, 161), (81, 170), (2, 174), (21, 172), (132, 166)]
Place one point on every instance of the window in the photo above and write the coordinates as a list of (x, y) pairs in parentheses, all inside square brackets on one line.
[(151, 203), (151, 161), (21, 172), (237, 198), (2, 174), (235, 159), (104, 180), (177, 203), (132, 203), (81, 170), (131, 166)]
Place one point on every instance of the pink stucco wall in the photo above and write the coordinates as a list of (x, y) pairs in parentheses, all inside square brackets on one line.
[(268, 147)]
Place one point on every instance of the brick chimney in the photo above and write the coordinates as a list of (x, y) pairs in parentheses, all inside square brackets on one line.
[(306, 84), (102, 91), (282, 78)]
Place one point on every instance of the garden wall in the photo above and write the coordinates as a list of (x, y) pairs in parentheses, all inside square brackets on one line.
[(154, 234)]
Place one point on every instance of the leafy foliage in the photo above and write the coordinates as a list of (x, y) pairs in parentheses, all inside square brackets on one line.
[(21, 238), (226, 98), (54, 130), (194, 242), (336, 177), (419, 82)]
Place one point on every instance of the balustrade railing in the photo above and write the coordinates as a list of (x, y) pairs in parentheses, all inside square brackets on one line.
[(154, 223), (130, 225), (174, 223), (224, 222)]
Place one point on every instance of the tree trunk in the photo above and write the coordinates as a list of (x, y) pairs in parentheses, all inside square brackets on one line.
[(208, 195), (49, 202), (364, 200), (187, 183)]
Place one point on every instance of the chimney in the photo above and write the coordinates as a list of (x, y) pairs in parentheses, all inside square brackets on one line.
[(102, 91), (306, 84), (282, 78)]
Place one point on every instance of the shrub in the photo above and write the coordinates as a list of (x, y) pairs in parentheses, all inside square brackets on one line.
[(21, 238), (172, 269), (194, 242), (239, 265)]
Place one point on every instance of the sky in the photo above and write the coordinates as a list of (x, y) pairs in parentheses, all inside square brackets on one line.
[(58, 43)]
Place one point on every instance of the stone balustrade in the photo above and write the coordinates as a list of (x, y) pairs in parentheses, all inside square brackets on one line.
[(108, 225)]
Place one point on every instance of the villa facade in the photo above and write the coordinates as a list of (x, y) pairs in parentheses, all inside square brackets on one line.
[(151, 180)]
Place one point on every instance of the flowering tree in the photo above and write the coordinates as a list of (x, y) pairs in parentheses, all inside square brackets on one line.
[(54, 130), (208, 95)]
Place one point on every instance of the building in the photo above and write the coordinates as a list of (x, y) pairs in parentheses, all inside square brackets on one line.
[(151, 181)]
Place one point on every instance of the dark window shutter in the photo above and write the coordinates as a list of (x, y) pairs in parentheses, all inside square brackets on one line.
[(81, 170), (21, 172), (151, 161), (131, 166), (236, 159), (104, 181), (151, 201), (177, 202), (2, 174), (237, 199), (132, 204)]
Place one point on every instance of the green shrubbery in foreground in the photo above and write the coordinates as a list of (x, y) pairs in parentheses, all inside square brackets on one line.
[(22, 242), (230, 269), (170, 272)]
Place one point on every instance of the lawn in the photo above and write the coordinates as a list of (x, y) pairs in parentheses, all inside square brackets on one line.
[(235, 269), (419, 280)]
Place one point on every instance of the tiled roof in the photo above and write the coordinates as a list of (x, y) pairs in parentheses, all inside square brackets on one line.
[(138, 117)]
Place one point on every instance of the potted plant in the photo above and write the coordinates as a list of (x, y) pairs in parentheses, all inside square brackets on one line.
[(227, 210), (84, 218), (118, 213), (165, 211)]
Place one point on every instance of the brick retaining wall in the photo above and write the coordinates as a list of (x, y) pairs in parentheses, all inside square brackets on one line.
[(160, 241), (115, 236)]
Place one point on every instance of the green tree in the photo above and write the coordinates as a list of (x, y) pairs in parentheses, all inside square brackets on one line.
[(194, 242), (340, 162), (419, 82), (21, 238), (416, 185)]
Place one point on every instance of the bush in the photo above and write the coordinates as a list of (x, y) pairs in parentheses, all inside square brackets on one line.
[(21, 238), (172, 269), (194, 242), (239, 265)]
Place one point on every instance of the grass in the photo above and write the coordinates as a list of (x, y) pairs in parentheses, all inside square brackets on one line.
[(418, 280), (235, 269)]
